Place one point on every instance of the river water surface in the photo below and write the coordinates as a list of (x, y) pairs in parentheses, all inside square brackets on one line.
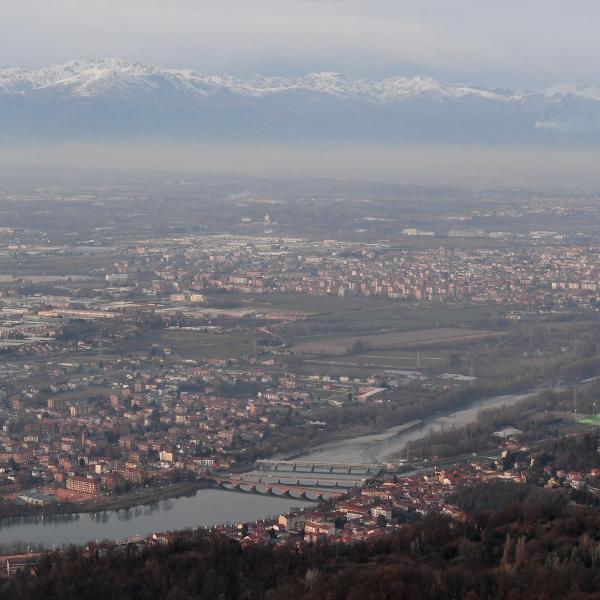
[(378, 447), (204, 508)]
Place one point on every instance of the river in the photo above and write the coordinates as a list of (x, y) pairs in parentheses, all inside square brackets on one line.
[(378, 447), (212, 507), (205, 507)]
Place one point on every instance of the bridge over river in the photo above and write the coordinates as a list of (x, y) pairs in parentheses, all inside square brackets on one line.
[(370, 469), (300, 479), (277, 489)]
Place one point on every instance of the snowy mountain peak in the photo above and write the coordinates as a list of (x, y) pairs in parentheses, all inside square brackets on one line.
[(113, 98), (97, 77)]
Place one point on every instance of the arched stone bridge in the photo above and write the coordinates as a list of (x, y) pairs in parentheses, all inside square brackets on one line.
[(300, 492)]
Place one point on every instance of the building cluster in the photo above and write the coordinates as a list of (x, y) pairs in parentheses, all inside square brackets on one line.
[(541, 275), (93, 429), (544, 273), (375, 509), (169, 280), (382, 507)]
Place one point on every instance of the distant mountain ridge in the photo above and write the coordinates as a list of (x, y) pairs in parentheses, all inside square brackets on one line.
[(114, 99)]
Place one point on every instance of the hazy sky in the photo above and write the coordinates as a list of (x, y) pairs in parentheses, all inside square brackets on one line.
[(461, 166), (511, 43), (517, 43)]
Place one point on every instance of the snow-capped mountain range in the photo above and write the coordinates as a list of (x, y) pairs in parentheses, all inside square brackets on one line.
[(98, 77), (115, 99)]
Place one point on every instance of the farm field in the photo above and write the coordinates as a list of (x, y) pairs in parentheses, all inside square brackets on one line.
[(397, 359), (305, 304), (193, 345), (339, 346), (359, 309)]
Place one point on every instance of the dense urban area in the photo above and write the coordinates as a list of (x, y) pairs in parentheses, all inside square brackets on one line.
[(162, 336)]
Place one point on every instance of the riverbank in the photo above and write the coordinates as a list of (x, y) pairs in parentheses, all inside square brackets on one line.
[(144, 496), (341, 437), (389, 445), (102, 503), (204, 508)]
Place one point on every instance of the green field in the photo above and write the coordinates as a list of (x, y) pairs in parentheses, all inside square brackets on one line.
[(590, 420)]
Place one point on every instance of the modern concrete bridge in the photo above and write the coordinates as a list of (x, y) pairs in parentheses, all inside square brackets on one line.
[(371, 469)]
